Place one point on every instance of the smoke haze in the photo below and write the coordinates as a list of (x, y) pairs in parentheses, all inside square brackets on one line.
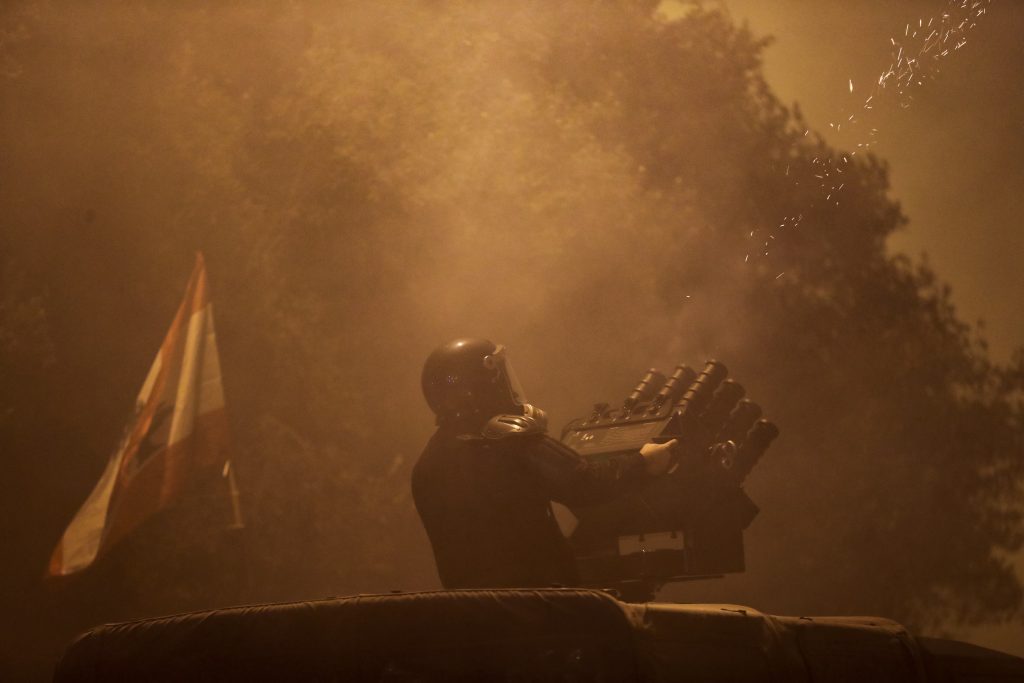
[(577, 181)]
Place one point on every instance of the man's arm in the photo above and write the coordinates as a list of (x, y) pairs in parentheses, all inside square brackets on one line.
[(568, 478)]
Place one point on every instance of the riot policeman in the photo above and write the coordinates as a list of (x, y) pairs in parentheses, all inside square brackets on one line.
[(485, 481)]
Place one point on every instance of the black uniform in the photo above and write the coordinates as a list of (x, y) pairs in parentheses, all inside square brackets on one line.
[(485, 504)]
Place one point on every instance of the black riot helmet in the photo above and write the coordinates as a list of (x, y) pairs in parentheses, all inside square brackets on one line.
[(471, 380)]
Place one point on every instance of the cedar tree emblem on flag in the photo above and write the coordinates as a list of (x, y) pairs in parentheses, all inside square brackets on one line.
[(179, 432)]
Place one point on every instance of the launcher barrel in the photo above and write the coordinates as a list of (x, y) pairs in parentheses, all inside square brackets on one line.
[(644, 389)]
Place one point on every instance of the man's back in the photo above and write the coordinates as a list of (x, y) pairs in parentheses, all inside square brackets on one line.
[(486, 510)]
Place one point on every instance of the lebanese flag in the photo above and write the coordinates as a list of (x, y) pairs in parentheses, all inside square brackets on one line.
[(179, 433)]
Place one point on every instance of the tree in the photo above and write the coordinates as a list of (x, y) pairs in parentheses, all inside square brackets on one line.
[(579, 180)]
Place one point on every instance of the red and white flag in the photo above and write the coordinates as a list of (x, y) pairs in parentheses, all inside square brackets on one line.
[(179, 432)]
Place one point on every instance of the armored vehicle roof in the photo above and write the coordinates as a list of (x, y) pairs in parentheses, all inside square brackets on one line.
[(517, 635)]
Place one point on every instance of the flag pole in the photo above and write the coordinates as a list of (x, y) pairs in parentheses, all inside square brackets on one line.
[(237, 538), (236, 499)]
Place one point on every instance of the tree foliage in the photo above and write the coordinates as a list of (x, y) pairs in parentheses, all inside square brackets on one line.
[(579, 179)]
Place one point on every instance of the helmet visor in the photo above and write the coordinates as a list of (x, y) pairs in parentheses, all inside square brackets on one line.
[(498, 360)]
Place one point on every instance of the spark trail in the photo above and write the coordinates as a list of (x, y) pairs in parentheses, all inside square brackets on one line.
[(916, 58)]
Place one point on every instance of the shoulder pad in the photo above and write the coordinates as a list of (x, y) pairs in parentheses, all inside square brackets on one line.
[(504, 426)]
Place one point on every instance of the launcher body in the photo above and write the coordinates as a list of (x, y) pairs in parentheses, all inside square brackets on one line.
[(689, 523)]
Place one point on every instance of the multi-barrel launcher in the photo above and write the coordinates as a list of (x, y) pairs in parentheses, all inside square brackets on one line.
[(688, 523)]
